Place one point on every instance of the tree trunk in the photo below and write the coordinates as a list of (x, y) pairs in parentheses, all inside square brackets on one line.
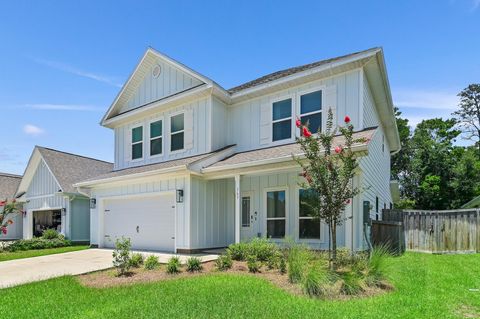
[(330, 265), (334, 245)]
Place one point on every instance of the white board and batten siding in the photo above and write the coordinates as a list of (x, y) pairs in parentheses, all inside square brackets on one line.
[(370, 117), (249, 122), (42, 194), (212, 217), (171, 80), (376, 166), (197, 135), (136, 189)]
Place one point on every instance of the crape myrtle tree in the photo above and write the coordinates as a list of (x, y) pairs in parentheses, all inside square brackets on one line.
[(328, 171), (8, 209)]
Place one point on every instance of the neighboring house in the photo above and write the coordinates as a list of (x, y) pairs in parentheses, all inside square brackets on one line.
[(50, 201), (198, 166), (8, 186), (474, 203)]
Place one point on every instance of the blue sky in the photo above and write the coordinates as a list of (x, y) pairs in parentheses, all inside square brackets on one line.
[(63, 62)]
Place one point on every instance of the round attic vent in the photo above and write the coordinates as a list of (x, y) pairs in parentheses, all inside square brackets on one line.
[(157, 69)]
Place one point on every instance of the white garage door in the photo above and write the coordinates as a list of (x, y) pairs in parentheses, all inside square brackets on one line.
[(148, 221)]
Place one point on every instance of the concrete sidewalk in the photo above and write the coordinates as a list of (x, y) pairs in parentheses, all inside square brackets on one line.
[(21, 271)]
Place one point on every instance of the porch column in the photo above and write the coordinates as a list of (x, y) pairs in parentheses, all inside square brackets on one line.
[(237, 208)]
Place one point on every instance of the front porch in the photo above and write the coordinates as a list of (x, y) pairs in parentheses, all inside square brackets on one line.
[(264, 203)]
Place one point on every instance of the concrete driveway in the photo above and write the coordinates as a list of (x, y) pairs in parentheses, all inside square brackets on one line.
[(21, 271)]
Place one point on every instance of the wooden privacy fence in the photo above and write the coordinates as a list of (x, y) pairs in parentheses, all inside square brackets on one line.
[(447, 231)]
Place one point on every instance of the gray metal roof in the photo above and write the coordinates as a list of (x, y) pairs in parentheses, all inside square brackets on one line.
[(283, 73), (69, 169), (8, 185), (285, 151)]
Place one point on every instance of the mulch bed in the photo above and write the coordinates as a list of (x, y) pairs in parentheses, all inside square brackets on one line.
[(107, 278)]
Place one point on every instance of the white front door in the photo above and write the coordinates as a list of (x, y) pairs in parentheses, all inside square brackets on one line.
[(149, 222), (248, 218)]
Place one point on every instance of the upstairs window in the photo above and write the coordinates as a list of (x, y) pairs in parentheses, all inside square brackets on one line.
[(177, 132), (156, 133), (282, 120), (137, 143), (309, 225), (311, 110)]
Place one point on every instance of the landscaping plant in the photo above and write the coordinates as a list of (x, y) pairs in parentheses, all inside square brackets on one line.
[(151, 262), (377, 265), (253, 264), (173, 265), (50, 234), (315, 281), (262, 248), (194, 264), (38, 243), (224, 262), (282, 265), (136, 260), (328, 171), (298, 260), (121, 255)]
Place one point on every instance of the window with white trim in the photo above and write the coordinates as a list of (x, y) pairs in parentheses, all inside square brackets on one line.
[(177, 132), (276, 214), (311, 110), (246, 211), (137, 142), (156, 134), (282, 120), (308, 223)]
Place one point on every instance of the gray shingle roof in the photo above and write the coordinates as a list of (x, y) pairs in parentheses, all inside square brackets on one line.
[(283, 73), (69, 169), (285, 151), (8, 185), (186, 161)]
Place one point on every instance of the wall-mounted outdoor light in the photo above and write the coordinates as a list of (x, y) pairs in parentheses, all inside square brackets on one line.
[(179, 195), (93, 203), (64, 211)]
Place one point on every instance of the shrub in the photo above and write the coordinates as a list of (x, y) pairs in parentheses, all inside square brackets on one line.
[(315, 281), (253, 264), (50, 234), (37, 243), (376, 267), (224, 262), (238, 251), (151, 262), (262, 248), (173, 265), (194, 264), (121, 255), (136, 260), (298, 259)]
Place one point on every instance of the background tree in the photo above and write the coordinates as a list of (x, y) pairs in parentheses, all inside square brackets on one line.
[(469, 113), (328, 172)]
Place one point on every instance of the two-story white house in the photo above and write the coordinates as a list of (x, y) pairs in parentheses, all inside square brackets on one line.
[(199, 167)]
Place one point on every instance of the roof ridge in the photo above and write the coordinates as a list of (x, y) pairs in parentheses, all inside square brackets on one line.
[(239, 87), (71, 154), (10, 175)]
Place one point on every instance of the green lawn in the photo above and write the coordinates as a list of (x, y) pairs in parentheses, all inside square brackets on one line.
[(38, 252), (428, 286)]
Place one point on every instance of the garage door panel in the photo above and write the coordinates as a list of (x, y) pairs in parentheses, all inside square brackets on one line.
[(148, 221)]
